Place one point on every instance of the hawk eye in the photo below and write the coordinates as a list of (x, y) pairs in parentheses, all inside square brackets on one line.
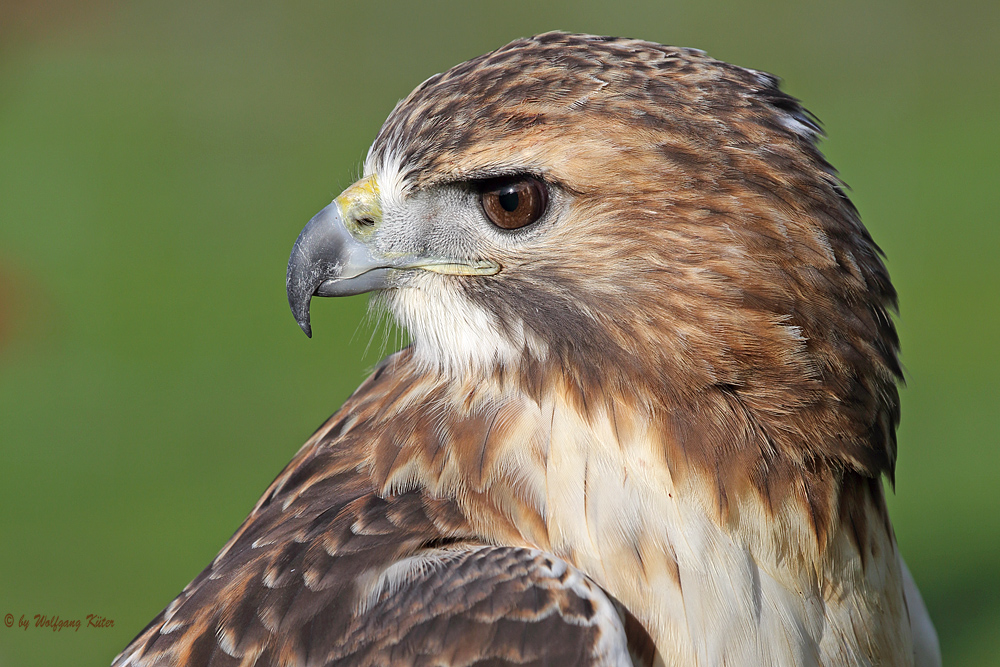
[(513, 202)]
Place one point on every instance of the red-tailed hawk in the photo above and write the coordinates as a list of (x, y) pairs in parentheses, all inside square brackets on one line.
[(649, 403)]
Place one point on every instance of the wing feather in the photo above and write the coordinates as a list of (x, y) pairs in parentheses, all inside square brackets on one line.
[(326, 571)]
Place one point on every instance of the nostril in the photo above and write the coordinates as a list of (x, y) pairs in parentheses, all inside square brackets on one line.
[(366, 222)]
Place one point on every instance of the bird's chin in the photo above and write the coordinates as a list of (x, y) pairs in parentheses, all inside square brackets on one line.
[(450, 333)]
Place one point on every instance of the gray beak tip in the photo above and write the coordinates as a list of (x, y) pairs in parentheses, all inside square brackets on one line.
[(322, 254), (308, 263), (306, 328), (299, 298)]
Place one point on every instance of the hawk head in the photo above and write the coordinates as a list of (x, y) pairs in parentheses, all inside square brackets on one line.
[(634, 222), (648, 405)]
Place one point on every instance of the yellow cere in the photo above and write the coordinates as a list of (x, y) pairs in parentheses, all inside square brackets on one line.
[(361, 206)]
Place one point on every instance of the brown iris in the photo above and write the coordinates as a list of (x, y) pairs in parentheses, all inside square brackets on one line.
[(513, 202)]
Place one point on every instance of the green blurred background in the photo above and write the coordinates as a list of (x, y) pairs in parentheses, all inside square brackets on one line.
[(157, 161)]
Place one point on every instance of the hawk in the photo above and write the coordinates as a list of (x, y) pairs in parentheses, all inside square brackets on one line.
[(649, 402)]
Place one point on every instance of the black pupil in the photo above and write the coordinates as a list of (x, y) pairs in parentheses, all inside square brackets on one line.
[(509, 201)]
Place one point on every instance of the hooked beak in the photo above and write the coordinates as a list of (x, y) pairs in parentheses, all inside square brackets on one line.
[(329, 259)]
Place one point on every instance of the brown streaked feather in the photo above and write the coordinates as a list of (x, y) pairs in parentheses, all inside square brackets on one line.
[(299, 581)]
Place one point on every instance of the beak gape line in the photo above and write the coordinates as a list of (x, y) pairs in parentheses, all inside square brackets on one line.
[(328, 259)]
